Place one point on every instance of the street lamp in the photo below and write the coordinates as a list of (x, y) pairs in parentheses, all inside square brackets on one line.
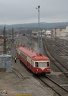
[(39, 37), (38, 23)]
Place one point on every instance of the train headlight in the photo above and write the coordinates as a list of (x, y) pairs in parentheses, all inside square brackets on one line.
[(48, 69)]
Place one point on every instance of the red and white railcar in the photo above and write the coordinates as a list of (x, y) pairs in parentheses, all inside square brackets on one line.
[(36, 62)]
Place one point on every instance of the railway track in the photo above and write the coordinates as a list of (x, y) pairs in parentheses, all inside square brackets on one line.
[(61, 48), (20, 76), (54, 86), (47, 81), (58, 47), (55, 61)]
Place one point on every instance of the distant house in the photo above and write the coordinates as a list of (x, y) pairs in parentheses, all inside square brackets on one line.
[(1, 37), (59, 32), (66, 31), (34, 33), (48, 33)]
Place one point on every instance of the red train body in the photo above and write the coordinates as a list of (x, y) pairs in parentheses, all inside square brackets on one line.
[(37, 63)]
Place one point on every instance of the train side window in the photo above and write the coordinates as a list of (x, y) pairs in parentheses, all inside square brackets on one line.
[(36, 64), (47, 64)]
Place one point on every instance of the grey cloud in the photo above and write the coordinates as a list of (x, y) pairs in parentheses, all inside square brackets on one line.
[(24, 10)]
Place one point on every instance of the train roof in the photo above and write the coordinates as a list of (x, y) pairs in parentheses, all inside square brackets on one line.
[(32, 54)]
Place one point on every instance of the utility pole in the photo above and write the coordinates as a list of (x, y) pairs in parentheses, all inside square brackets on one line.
[(4, 46), (55, 33), (12, 34)]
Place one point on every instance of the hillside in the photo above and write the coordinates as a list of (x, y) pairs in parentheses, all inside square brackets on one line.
[(35, 25)]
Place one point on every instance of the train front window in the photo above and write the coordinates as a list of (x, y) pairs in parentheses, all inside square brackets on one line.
[(41, 64)]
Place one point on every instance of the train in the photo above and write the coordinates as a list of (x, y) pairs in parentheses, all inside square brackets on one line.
[(34, 61)]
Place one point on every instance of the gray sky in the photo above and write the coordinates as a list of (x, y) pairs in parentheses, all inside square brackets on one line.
[(23, 11)]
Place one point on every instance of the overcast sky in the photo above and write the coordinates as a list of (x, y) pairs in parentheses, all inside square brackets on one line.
[(24, 11)]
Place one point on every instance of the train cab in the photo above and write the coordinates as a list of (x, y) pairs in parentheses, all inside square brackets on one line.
[(42, 67)]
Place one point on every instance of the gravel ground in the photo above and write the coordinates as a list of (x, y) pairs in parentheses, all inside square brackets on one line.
[(14, 85)]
